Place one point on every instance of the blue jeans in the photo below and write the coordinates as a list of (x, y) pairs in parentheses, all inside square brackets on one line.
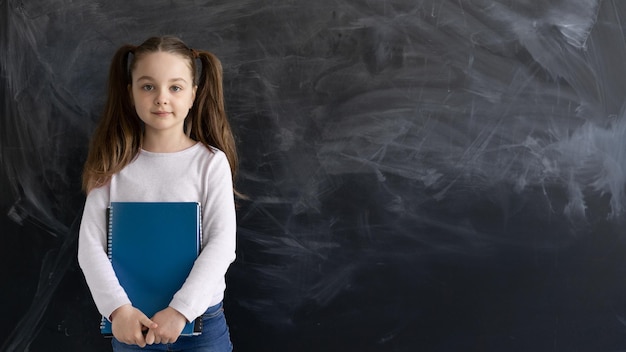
[(214, 338)]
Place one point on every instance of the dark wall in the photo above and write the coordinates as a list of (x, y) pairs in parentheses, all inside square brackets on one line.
[(443, 175)]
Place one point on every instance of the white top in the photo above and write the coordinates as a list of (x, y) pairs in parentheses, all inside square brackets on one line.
[(192, 175)]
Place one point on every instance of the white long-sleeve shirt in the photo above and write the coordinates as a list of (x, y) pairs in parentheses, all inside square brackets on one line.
[(192, 175)]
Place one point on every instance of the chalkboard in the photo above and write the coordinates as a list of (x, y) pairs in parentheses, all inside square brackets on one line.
[(443, 175)]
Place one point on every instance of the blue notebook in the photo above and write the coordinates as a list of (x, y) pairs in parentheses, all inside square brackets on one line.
[(152, 247)]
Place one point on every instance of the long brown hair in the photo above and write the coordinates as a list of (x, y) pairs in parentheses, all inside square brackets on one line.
[(119, 134)]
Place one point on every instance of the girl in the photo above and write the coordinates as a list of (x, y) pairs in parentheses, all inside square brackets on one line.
[(163, 137)]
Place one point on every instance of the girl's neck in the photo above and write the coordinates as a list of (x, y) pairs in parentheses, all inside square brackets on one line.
[(166, 143)]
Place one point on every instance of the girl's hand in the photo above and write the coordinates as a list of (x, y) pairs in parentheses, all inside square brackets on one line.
[(128, 325), (170, 324)]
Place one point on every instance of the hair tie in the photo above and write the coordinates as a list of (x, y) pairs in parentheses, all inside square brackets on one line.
[(194, 53)]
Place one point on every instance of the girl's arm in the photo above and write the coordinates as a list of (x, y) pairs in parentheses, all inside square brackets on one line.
[(92, 254), (206, 280)]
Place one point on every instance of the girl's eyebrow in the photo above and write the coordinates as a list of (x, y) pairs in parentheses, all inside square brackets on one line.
[(148, 78)]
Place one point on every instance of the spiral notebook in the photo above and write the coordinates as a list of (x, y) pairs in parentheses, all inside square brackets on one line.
[(152, 247)]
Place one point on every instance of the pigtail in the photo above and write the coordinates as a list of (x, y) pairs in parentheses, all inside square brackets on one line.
[(117, 137), (209, 123)]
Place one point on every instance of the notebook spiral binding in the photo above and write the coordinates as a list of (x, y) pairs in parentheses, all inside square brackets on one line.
[(198, 323), (198, 326), (201, 233), (109, 215), (109, 231)]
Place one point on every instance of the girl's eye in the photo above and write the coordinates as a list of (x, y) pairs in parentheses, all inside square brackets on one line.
[(176, 88), (147, 87)]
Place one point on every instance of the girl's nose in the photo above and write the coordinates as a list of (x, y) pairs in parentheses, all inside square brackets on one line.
[(161, 99)]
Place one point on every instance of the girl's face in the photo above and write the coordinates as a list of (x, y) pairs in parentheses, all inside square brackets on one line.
[(162, 91)]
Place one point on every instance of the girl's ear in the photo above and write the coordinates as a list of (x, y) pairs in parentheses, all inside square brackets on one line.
[(193, 96)]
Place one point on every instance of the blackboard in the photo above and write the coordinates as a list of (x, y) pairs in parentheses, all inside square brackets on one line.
[(443, 175)]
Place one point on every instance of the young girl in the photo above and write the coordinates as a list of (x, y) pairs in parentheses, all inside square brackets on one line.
[(164, 137)]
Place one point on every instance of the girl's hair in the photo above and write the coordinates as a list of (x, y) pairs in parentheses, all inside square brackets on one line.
[(119, 134)]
